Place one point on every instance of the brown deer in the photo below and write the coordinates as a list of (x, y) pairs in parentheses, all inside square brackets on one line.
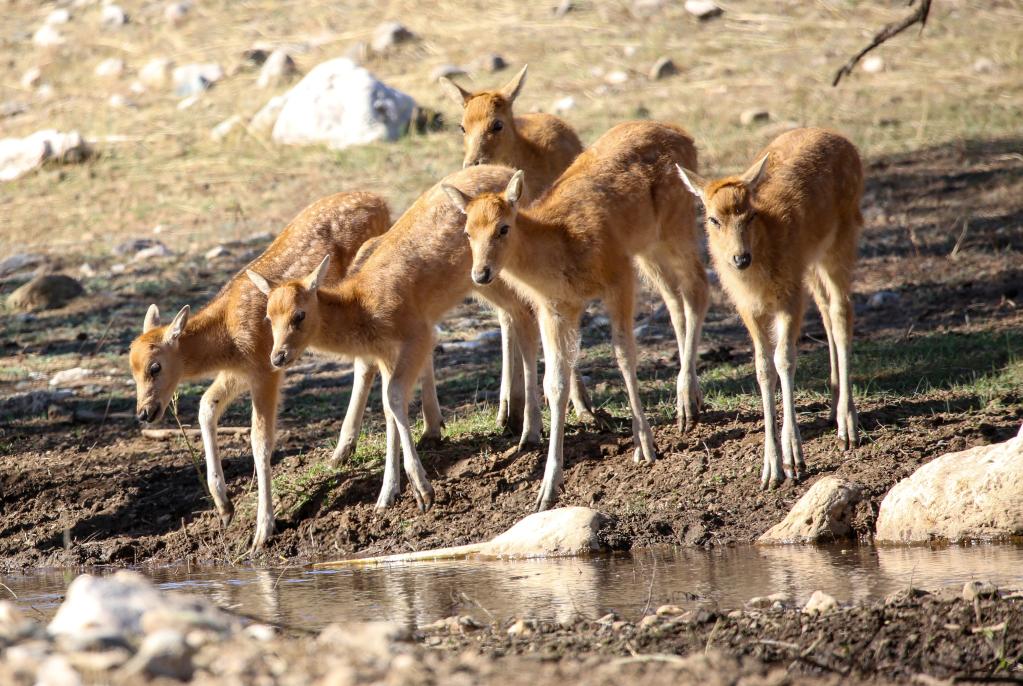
[(386, 309), (617, 205), (790, 221), (541, 145), (231, 339)]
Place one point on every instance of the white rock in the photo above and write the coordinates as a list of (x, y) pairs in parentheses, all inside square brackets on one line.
[(616, 77), (19, 261), (18, 156), (978, 589), (260, 632), (562, 105), (177, 12), (47, 37), (12, 619), (70, 377), (277, 69), (119, 101), (872, 64), (754, 116), (45, 92), (703, 9), (389, 34), (263, 121), (780, 599), (968, 495), (341, 104), (823, 513), (156, 72), (520, 629), (820, 603), (158, 250), (663, 68), (99, 608), (110, 68), (191, 79), (163, 653), (87, 270), (883, 299), (32, 78), (189, 101), (57, 671), (58, 16), (112, 16), (224, 128), (561, 532), (984, 65)]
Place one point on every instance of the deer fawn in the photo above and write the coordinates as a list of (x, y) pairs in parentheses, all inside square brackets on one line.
[(542, 146), (790, 221), (387, 308), (230, 337), (617, 203)]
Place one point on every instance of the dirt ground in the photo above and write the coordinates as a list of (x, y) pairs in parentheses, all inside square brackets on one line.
[(937, 370)]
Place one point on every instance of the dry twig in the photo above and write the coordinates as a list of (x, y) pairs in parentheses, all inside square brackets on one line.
[(889, 31)]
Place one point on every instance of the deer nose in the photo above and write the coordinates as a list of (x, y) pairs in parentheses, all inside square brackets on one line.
[(482, 276), (279, 358), (145, 415), (742, 261)]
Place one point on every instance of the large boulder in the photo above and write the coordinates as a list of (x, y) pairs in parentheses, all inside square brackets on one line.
[(45, 292), (976, 494), (340, 104), (19, 156), (823, 513)]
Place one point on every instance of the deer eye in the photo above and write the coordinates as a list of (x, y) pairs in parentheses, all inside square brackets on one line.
[(714, 221), (461, 128), (503, 230), (154, 369), (296, 320), (497, 126)]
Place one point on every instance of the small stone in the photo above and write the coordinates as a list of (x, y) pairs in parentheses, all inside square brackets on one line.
[(260, 632), (177, 12), (163, 653), (649, 621), (47, 37), (389, 34), (192, 79), (12, 108), (87, 270), (158, 250), (978, 589), (277, 69), (19, 261), (119, 101), (820, 603), (984, 65), (263, 121), (45, 92), (873, 64), (563, 105), (735, 614), (189, 101), (520, 629), (224, 128), (883, 299), (156, 72), (112, 16), (70, 377), (130, 247), (669, 610), (608, 619), (32, 78), (110, 68), (446, 71), (563, 8), (216, 253), (491, 62), (58, 16), (764, 602), (703, 9), (57, 671), (45, 292), (663, 68), (754, 116), (616, 77)]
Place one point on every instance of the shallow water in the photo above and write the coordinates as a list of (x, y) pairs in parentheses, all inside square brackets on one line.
[(560, 589)]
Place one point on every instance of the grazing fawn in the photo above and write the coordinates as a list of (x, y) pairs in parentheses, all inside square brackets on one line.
[(387, 308), (616, 205), (231, 338), (790, 221), (542, 146)]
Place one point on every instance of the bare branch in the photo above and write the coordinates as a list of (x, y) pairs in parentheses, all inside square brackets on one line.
[(889, 31)]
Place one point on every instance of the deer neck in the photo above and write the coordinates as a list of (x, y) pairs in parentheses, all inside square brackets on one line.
[(346, 324), (205, 344)]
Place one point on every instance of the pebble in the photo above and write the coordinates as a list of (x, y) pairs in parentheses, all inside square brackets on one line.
[(47, 37), (978, 589), (616, 77), (133, 245), (191, 79), (984, 65), (217, 252), (389, 34), (163, 653), (563, 105), (764, 602), (755, 115), (260, 632), (158, 250), (872, 64), (32, 77), (189, 101), (883, 299), (649, 621), (663, 68), (58, 16), (70, 377), (563, 8), (669, 610), (110, 68), (703, 9), (119, 101), (820, 603), (12, 108), (277, 69), (177, 12), (112, 16), (19, 261), (224, 128), (520, 629), (57, 671), (156, 72)]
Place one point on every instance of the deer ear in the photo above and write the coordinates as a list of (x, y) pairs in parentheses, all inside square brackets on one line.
[(693, 181), (262, 284), (511, 90), (457, 93), (313, 281), (152, 319), (177, 326), (514, 190), (458, 198), (756, 174)]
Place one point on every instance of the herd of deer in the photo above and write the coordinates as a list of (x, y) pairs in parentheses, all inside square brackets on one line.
[(569, 226)]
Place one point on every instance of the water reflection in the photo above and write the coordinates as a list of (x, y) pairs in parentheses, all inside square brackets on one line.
[(562, 589)]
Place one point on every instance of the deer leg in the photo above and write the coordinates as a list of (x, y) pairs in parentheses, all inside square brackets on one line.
[(511, 399), (433, 420), (362, 382), (773, 472), (821, 299), (620, 307), (265, 395), (221, 393), (391, 487), (558, 332), (397, 383), (526, 336), (841, 322), (786, 332)]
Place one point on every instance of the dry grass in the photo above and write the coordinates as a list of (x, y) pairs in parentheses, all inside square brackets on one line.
[(165, 170)]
